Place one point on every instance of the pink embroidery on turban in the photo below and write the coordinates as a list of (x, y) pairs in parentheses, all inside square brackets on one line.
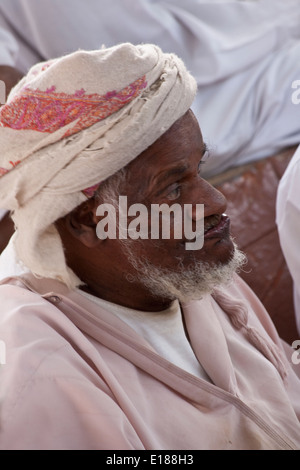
[(48, 111)]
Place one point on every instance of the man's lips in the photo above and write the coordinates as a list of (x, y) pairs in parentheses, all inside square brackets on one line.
[(216, 227)]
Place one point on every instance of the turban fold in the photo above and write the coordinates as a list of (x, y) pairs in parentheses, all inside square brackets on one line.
[(71, 123)]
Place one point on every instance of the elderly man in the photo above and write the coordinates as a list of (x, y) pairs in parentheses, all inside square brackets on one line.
[(127, 342)]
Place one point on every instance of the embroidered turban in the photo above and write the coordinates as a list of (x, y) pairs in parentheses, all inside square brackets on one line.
[(71, 123)]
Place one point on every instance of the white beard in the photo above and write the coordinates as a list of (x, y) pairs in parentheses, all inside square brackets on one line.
[(184, 284)]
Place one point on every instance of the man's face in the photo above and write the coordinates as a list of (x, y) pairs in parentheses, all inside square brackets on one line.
[(169, 172)]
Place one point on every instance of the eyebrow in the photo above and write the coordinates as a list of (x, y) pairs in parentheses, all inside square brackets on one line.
[(176, 171)]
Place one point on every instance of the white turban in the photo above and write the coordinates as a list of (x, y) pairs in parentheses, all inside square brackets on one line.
[(71, 123)]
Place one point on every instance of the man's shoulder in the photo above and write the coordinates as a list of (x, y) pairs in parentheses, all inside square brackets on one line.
[(27, 319), (40, 341), (17, 301)]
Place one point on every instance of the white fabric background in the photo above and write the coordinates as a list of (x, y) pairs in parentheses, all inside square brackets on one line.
[(244, 56), (288, 222)]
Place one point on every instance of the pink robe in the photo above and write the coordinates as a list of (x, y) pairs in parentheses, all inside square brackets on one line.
[(77, 377)]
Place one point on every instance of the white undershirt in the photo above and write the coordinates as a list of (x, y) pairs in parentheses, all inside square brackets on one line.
[(164, 331)]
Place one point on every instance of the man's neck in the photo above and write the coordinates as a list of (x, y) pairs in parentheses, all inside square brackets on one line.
[(134, 297)]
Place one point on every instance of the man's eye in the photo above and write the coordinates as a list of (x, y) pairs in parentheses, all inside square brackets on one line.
[(174, 193)]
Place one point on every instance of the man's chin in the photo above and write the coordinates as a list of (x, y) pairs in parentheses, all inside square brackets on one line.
[(186, 284)]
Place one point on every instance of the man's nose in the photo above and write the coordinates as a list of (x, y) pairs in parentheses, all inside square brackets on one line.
[(214, 201)]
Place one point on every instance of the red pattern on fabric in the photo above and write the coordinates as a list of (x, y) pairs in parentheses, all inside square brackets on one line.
[(48, 111), (89, 192), (3, 171)]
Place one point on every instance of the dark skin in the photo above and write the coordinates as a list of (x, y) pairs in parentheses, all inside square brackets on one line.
[(169, 171), (6, 230), (10, 76)]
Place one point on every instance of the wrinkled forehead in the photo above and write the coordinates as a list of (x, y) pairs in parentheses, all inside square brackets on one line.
[(170, 155), (173, 148)]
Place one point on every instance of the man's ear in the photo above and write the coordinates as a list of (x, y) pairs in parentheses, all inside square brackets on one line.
[(82, 223)]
